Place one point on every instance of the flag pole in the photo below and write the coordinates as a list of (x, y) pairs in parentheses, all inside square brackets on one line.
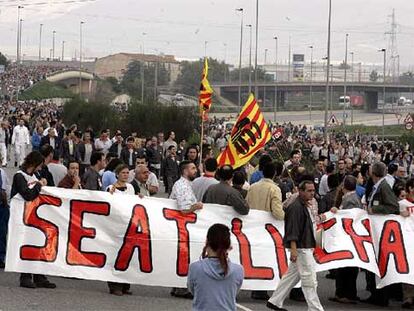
[(201, 137)]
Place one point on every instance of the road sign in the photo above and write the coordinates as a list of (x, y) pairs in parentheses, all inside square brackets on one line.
[(408, 126), (333, 121), (408, 119)]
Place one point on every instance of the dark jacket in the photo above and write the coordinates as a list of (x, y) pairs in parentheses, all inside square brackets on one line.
[(125, 157), (298, 226), (20, 186), (67, 182), (114, 149), (45, 173), (91, 180), (81, 151), (327, 202), (46, 141), (384, 200), (224, 194), (65, 152), (170, 168)]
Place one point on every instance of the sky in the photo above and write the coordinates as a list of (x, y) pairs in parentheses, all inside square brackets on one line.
[(181, 28)]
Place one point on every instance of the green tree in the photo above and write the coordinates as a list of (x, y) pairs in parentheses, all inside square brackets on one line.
[(261, 76), (131, 81), (3, 60), (373, 76), (188, 80)]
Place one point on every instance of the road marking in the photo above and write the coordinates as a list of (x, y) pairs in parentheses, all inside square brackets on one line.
[(243, 307)]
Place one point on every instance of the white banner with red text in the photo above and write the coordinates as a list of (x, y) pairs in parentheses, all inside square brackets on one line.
[(123, 238)]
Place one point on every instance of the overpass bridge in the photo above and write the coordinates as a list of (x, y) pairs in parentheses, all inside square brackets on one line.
[(266, 90), (70, 79)]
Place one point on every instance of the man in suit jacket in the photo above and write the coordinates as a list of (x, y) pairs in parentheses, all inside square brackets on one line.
[(51, 139), (382, 200), (129, 154)]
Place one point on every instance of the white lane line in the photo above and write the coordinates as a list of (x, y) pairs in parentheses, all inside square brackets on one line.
[(243, 307)]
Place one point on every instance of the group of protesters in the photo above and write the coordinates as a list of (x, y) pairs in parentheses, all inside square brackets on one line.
[(297, 178)]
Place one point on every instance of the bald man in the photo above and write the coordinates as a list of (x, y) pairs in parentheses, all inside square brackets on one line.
[(140, 180)]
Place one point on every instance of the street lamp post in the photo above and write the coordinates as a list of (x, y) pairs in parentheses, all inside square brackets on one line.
[(256, 47), (345, 72), (264, 71), (250, 59), (18, 34), (383, 93), (310, 86), (63, 51), (20, 40), (352, 86), (142, 69), (40, 42), (53, 44), (275, 98), (80, 58), (240, 55), (328, 60)]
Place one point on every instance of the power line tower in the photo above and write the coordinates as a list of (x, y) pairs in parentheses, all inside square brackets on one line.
[(392, 48)]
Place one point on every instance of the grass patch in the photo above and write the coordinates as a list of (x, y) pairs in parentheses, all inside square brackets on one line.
[(45, 90)]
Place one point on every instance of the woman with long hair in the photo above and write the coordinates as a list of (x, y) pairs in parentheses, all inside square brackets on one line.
[(26, 184), (214, 280)]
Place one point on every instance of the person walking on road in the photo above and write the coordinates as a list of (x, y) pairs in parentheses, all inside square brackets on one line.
[(20, 140), (299, 238)]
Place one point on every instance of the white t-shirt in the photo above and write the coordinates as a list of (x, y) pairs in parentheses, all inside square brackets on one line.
[(406, 205)]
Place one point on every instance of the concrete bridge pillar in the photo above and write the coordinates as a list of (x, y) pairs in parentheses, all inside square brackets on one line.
[(371, 101)]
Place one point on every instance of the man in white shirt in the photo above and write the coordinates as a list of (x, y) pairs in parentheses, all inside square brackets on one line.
[(20, 140), (103, 143)]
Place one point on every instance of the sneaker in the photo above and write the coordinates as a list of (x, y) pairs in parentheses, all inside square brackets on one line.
[(274, 307), (2, 265), (260, 295)]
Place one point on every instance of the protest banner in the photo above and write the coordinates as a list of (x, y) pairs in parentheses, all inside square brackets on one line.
[(121, 238)]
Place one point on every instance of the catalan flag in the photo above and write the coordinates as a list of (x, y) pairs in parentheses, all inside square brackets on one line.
[(206, 92), (249, 135)]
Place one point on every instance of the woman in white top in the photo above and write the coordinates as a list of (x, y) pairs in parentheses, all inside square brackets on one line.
[(120, 186)]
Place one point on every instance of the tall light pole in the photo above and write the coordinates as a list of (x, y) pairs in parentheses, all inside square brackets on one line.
[(18, 34), (345, 72), (225, 58), (53, 44), (63, 51), (240, 54), (352, 86), (250, 59), (383, 93), (289, 58), (328, 60), (275, 98), (310, 84), (256, 90), (20, 39), (264, 71), (40, 42), (80, 58)]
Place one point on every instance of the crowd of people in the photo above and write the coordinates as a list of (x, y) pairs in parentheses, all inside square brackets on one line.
[(17, 78), (348, 171)]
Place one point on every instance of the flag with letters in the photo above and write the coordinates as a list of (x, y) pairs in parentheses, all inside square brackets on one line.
[(249, 135), (206, 92)]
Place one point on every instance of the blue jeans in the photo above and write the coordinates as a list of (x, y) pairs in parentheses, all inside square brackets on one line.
[(4, 221)]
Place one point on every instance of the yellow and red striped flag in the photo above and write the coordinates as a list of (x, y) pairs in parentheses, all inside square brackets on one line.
[(206, 92), (249, 135)]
